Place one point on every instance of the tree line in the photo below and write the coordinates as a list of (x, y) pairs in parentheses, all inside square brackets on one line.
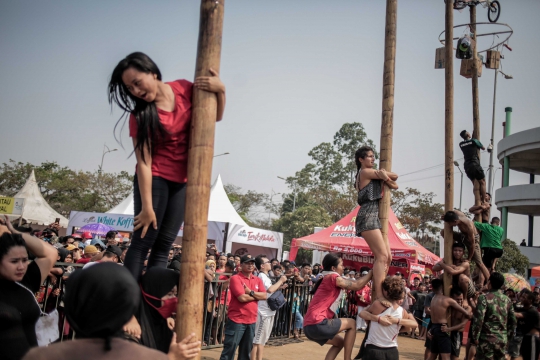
[(66, 189)]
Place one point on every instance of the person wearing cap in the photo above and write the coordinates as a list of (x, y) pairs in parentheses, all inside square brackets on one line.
[(245, 290), (87, 237), (99, 244), (89, 251)]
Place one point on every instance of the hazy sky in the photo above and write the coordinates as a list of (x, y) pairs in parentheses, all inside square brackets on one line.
[(295, 71)]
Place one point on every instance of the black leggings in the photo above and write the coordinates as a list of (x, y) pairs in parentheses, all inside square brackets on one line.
[(169, 202)]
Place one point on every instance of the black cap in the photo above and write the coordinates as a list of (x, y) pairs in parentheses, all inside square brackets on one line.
[(245, 259), (116, 251)]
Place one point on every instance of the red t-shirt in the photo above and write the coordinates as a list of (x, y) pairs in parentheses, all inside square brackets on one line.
[(239, 312), (326, 295), (169, 158)]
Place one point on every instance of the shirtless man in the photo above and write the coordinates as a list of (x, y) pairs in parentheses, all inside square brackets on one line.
[(458, 323), (441, 341), (483, 209), (460, 270), (471, 239)]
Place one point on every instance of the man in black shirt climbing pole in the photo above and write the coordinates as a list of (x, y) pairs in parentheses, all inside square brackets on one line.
[(472, 167)]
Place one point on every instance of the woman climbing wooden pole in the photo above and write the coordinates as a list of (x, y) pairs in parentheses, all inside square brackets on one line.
[(200, 153)]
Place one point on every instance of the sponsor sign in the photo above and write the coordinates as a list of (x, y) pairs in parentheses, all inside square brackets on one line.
[(9, 205)]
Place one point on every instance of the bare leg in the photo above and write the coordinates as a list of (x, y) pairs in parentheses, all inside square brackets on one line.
[(378, 247), (337, 344), (257, 352), (349, 325), (482, 188)]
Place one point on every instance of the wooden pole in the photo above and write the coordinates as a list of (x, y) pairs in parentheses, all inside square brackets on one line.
[(449, 137), (387, 123), (476, 111), (201, 150)]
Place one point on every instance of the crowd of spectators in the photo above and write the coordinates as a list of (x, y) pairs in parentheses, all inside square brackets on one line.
[(237, 288)]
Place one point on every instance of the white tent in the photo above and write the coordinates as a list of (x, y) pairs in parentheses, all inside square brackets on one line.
[(125, 207), (220, 210), (36, 210)]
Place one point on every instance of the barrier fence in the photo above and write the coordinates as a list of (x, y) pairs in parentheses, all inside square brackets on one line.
[(287, 321)]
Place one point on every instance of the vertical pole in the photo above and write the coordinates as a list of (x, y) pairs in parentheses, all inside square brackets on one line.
[(449, 137), (506, 171), (460, 190), (387, 123), (201, 150), (490, 169), (476, 111), (531, 218)]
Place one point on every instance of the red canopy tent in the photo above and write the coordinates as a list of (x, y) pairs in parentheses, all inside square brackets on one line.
[(341, 238)]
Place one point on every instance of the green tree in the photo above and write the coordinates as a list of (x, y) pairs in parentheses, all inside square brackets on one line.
[(301, 223), (66, 189), (512, 258), (254, 207), (328, 179)]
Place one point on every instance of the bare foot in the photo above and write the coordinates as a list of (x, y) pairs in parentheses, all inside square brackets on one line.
[(133, 328)]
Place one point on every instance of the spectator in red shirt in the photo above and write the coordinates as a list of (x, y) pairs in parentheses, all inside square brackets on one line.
[(245, 290), (363, 299), (415, 284), (321, 323), (222, 260), (89, 251)]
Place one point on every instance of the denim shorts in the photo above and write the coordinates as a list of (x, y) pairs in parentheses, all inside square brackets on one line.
[(323, 331)]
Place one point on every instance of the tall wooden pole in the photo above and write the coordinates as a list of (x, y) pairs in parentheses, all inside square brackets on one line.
[(476, 111), (387, 123), (201, 150), (448, 136)]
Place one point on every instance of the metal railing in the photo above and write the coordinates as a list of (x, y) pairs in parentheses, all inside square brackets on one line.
[(216, 300)]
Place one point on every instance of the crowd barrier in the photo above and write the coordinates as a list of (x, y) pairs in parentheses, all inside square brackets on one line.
[(287, 320)]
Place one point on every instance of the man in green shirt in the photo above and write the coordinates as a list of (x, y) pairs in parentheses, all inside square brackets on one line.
[(494, 321), (491, 241)]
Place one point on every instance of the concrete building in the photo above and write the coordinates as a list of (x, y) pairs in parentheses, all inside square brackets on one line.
[(522, 153)]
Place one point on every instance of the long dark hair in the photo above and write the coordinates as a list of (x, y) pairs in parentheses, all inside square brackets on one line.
[(8, 240), (360, 153), (327, 263), (149, 128)]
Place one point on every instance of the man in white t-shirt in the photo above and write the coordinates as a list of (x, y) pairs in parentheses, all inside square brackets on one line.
[(265, 316)]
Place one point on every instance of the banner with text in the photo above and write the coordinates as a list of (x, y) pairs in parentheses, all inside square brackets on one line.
[(257, 237), (9, 205)]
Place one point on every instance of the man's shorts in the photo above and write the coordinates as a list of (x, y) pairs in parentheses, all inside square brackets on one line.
[(514, 346), (263, 328), (426, 322), (441, 342), (473, 170), (457, 340), (323, 331), (491, 254)]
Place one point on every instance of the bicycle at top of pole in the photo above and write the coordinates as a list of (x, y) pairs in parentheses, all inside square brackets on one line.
[(493, 6)]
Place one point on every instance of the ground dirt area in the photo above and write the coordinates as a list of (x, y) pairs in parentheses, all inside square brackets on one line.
[(409, 349)]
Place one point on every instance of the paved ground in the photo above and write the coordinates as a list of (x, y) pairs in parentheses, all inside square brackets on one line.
[(409, 349)]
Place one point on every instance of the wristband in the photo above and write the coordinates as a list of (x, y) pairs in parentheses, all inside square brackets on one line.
[(378, 319)]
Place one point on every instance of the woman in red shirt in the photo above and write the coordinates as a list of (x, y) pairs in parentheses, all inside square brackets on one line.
[(320, 322), (159, 123)]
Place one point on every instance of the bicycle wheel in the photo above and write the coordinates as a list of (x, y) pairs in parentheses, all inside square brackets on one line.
[(494, 11)]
